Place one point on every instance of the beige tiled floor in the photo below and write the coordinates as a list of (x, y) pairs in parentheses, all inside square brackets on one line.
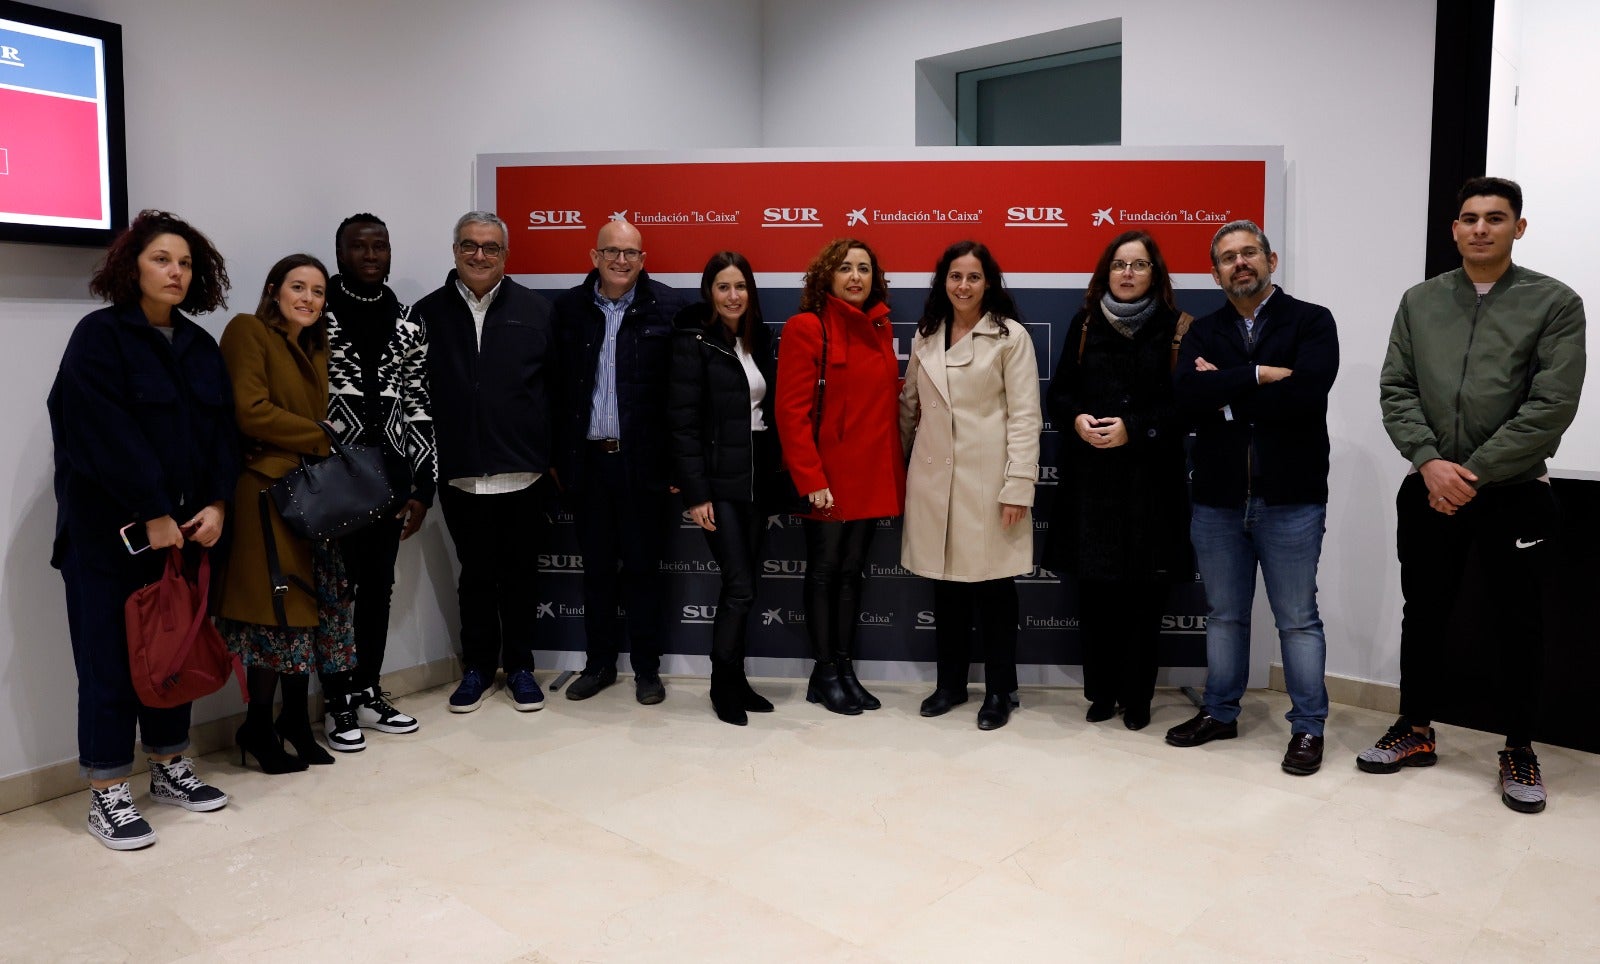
[(606, 831)]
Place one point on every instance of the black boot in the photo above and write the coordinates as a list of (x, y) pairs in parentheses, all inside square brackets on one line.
[(727, 699), (844, 640), (296, 731), (293, 723), (257, 736), (267, 747), (753, 702), (827, 687), (847, 679)]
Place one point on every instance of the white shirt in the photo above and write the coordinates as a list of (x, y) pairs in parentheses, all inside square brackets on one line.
[(478, 306), (758, 385)]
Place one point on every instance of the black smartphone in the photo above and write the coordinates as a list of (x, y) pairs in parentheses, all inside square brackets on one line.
[(135, 538)]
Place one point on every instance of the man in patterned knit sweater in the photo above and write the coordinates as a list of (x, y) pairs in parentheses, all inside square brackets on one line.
[(377, 395)]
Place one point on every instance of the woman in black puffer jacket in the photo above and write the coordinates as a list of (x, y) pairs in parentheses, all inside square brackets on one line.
[(725, 453)]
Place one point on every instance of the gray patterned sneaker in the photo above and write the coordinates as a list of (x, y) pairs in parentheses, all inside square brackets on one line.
[(174, 782), (1521, 786), (115, 821), (1400, 747)]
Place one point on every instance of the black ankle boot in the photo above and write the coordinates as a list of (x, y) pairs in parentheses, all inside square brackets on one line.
[(727, 699), (753, 702), (729, 708), (827, 687), (847, 678), (267, 747), (297, 733)]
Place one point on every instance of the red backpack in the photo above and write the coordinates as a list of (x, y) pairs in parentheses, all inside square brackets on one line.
[(174, 651)]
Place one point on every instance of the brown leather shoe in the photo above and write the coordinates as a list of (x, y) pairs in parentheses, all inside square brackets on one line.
[(1202, 729), (1304, 756)]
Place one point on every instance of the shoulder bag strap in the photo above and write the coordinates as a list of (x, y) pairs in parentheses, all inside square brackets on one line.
[(280, 587), (822, 383), (280, 582), (1184, 321)]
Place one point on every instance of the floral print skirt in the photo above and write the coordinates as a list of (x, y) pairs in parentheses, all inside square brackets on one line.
[(328, 647)]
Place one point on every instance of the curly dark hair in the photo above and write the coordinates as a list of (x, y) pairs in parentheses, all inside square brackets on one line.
[(937, 309), (117, 278), (1160, 278), (818, 281)]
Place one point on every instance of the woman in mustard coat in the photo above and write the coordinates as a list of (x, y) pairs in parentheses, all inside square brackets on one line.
[(278, 362)]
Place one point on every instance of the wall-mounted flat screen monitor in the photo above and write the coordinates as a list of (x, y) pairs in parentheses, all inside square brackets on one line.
[(63, 163)]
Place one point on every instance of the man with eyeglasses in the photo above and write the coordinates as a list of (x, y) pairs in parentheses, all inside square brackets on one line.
[(1255, 376), (612, 338), (1482, 377), (488, 374)]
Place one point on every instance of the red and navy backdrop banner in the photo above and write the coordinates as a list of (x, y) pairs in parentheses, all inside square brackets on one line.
[(1046, 214), (53, 160)]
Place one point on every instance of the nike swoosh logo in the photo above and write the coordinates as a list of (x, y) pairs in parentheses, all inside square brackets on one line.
[(1528, 545)]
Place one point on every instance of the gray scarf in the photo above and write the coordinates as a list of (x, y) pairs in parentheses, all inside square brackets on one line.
[(1127, 316)]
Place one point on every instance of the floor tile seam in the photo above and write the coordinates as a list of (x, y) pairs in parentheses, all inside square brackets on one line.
[(1342, 883), (1586, 863), (633, 838), (1015, 860), (865, 941), (1543, 939), (765, 796), (789, 913)]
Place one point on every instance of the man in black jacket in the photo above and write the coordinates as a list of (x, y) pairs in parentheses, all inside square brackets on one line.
[(1255, 376), (489, 338), (612, 345)]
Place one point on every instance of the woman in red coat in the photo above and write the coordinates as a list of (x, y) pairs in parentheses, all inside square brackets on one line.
[(837, 409)]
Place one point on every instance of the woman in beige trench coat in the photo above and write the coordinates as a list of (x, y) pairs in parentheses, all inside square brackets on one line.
[(970, 417)]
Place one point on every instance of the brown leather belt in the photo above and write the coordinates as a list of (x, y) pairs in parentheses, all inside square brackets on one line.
[(610, 446)]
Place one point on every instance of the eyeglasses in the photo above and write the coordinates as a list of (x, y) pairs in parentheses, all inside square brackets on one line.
[(1139, 267), (490, 250), (1243, 254), (630, 255)]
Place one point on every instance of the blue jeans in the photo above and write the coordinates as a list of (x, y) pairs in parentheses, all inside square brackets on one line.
[(1287, 542)]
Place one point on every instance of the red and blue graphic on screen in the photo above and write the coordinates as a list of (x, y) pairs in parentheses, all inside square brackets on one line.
[(50, 156)]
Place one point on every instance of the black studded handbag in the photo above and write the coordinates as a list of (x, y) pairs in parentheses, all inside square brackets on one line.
[(335, 496)]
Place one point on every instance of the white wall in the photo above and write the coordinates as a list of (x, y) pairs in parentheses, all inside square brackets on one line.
[(1553, 142), (265, 124), (1345, 87), (1504, 80)]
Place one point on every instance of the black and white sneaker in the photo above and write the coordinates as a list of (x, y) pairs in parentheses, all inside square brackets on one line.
[(375, 712), (339, 724), (174, 782), (115, 821)]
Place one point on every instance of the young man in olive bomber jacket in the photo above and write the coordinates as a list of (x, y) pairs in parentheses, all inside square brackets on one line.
[(1482, 376)]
